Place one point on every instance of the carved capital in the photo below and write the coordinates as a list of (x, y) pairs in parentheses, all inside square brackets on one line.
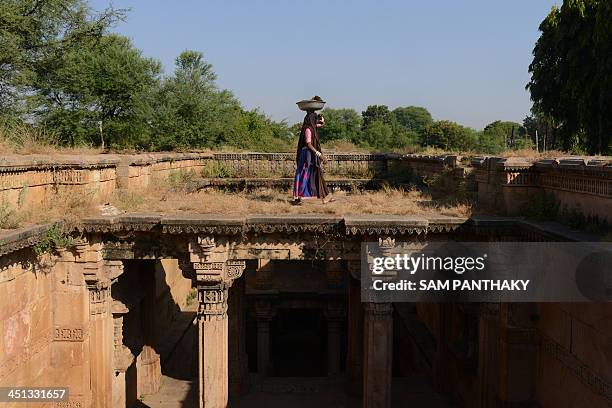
[(210, 273), (213, 303), (202, 248), (386, 242)]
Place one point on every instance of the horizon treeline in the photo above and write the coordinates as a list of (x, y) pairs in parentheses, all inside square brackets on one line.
[(63, 72)]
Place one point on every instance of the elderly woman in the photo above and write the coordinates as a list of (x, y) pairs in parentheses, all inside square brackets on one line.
[(309, 181)]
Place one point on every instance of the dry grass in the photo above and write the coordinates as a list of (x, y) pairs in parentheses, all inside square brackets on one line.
[(19, 138), (166, 197), (170, 200)]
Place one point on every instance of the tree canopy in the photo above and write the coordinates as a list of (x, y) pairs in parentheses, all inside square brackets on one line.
[(571, 74)]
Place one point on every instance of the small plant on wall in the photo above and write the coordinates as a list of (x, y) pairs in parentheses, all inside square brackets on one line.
[(57, 236)]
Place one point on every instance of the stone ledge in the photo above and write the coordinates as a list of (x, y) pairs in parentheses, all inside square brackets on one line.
[(350, 225), (13, 241)]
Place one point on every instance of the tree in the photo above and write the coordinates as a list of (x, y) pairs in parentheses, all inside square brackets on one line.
[(35, 34), (340, 124), (106, 82), (449, 136), (378, 134), (191, 111), (571, 74), (376, 113), (500, 135), (413, 118)]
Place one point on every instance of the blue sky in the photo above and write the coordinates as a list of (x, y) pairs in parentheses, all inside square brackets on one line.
[(465, 60)]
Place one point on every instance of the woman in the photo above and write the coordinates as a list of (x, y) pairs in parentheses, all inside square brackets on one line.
[(309, 181)]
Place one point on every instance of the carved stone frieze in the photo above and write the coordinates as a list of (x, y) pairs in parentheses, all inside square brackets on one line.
[(68, 334), (118, 250)]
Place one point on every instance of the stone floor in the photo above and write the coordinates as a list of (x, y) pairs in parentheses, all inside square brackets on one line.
[(294, 392)]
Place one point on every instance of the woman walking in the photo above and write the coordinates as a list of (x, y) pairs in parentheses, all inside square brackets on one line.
[(309, 181)]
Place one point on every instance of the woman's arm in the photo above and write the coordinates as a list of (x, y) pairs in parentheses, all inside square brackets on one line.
[(309, 142)]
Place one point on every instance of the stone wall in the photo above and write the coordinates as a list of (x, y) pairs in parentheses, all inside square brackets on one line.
[(580, 185), (575, 354), (59, 325), (27, 329)]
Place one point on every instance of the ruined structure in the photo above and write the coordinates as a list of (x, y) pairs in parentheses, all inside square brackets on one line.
[(103, 316)]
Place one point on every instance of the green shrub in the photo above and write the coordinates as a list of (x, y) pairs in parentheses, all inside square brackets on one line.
[(58, 236)]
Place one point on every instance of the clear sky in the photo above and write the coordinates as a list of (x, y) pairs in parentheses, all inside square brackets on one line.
[(465, 60)]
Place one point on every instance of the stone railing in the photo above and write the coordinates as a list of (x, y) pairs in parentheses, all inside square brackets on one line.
[(32, 180), (583, 185), (580, 185)]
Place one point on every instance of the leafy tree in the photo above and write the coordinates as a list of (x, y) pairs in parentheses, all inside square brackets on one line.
[(414, 118), (571, 74), (35, 34), (449, 136), (499, 135), (376, 113), (104, 83), (191, 111), (340, 124), (377, 134)]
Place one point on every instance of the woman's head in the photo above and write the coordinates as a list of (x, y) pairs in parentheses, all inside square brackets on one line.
[(311, 119)]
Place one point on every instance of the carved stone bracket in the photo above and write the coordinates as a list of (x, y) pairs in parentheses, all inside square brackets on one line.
[(122, 357)]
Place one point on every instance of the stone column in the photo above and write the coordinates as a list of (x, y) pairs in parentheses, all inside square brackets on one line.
[(264, 312), (212, 344), (334, 314), (122, 357), (238, 359), (354, 364), (214, 275), (97, 280), (148, 362), (377, 355)]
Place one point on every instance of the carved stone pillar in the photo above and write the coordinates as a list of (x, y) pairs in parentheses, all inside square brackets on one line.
[(122, 356), (377, 355), (213, 362), (97, 281), (354, 356), (214, 274), (264, 312), (238, 359), (148, 362), (335, 314)]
